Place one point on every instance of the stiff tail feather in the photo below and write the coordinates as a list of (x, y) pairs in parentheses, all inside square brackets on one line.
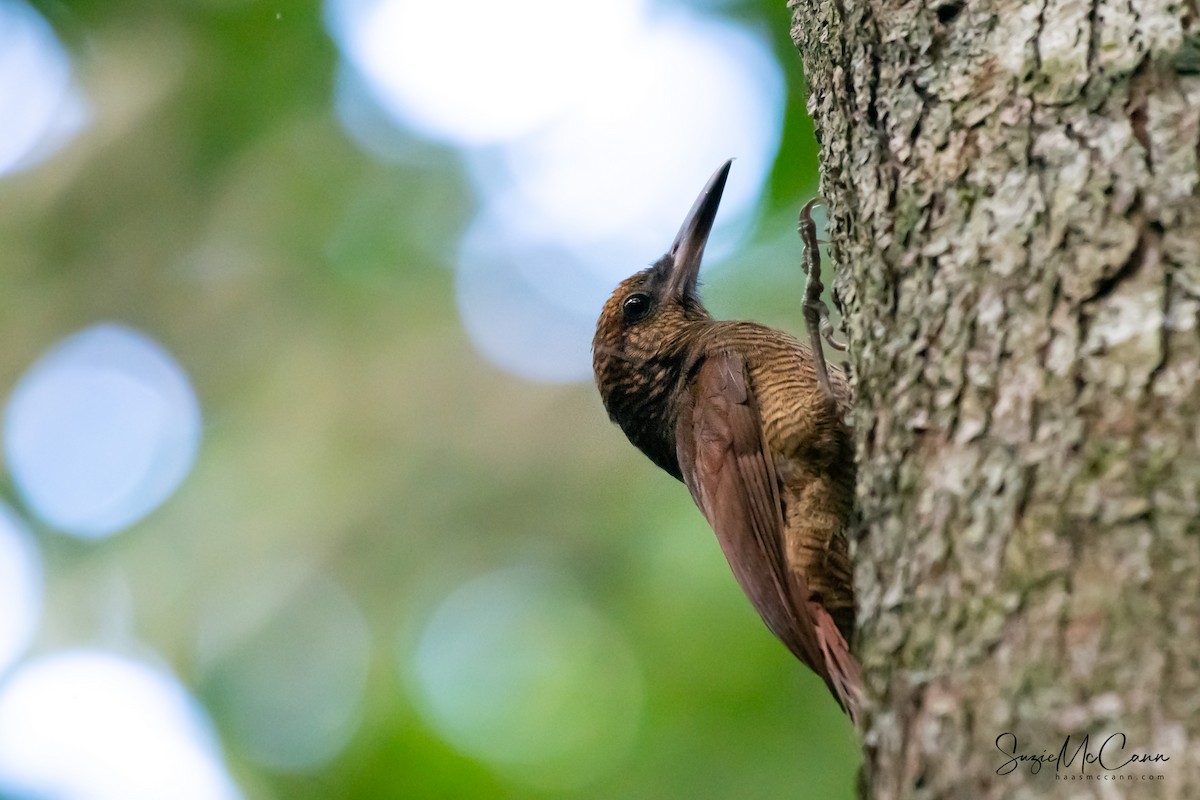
[(842, 673)]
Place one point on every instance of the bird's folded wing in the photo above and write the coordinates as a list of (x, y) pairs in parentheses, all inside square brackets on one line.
[(727, 465)]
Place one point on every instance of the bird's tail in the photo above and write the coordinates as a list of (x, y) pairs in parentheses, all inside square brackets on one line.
[(842, 673)]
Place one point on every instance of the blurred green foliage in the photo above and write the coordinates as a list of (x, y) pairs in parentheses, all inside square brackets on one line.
[(308, 290)]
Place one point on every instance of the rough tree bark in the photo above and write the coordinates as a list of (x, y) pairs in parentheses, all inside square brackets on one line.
[(1016, 227)]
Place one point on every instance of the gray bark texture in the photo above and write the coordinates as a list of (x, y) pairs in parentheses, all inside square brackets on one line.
[(1015, 225)]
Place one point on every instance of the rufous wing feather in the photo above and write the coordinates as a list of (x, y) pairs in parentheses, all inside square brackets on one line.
[(731, 473)]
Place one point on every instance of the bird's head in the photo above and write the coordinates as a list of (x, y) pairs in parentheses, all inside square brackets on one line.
[(652, 311)]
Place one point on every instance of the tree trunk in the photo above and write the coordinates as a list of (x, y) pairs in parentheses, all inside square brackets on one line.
[(1016, 230)]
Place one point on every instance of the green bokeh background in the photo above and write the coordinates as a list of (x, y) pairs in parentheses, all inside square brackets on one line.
[(307, 289)]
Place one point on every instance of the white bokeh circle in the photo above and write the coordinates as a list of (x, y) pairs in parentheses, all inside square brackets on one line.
[(91, 725), (101, 430)]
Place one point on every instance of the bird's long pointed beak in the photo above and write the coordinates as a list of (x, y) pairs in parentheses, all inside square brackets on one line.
[(688, 248)]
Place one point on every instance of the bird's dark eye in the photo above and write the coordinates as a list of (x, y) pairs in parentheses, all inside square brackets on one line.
[(636, 306)]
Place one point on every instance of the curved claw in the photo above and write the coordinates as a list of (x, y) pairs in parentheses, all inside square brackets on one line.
[(827, 332), (806, 211)]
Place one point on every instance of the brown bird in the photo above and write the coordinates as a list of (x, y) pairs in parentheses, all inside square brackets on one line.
[(739, 412)]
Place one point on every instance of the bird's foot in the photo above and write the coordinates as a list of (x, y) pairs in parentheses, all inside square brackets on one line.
[(816, 312)]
